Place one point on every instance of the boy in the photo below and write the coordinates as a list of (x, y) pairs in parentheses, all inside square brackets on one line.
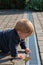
[(10, 39)]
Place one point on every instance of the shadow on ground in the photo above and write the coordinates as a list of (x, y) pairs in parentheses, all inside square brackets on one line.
[(9, 58), (3, 55), (9, 12)]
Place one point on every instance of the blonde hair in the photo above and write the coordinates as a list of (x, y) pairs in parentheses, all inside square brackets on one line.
[(25, 26)]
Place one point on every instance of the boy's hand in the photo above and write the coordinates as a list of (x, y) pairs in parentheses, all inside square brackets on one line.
[(27, 50), (21, 56)]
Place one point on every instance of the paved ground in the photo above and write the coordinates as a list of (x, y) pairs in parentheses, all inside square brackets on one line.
[(8, 19)]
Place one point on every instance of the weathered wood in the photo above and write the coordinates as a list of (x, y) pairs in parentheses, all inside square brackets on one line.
[(38, 22), (8, 20), (42, 58), (40, 43)]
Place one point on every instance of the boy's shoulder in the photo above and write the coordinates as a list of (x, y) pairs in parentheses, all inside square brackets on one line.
[(7, 31)]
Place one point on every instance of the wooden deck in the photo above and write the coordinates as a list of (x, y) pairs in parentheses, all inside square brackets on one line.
[(38, 22), (8, 19)]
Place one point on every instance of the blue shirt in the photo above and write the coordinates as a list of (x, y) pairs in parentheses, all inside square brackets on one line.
[(9, 40)]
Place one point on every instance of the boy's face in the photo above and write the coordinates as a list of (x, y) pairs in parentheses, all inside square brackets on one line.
[(23, 35)]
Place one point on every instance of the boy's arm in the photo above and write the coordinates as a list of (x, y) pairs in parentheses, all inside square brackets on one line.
[(13, 49), (22, 44), (14, 52)]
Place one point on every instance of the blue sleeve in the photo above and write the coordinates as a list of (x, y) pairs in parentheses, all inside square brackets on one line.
[(12, 46), (22, 44)]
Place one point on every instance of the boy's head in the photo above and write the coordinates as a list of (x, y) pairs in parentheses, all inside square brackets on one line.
[(24, 28)]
